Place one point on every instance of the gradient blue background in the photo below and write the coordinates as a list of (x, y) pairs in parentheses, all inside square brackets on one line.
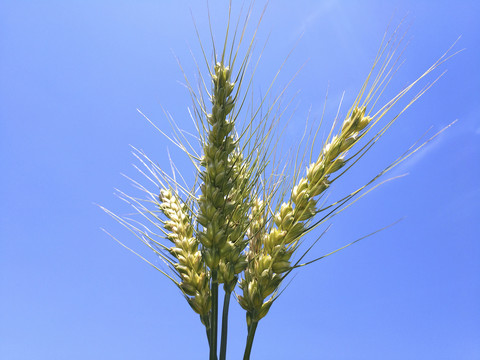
[(72, 75)]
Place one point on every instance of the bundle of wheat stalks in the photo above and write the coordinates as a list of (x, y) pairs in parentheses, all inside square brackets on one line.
[(242, 222)]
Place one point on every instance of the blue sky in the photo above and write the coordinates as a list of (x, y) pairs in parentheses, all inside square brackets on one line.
[(73, 74)]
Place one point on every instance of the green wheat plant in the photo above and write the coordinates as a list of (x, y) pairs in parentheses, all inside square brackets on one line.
[(246, 222)]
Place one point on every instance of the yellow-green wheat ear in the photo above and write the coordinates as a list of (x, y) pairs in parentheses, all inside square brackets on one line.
[(270, 252), (214, 205), (190, 265), (214, 209)]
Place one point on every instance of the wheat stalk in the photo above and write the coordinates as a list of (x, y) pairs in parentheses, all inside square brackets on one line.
[(242, 222)]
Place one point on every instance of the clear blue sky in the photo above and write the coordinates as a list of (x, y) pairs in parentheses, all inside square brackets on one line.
[(73, 74)]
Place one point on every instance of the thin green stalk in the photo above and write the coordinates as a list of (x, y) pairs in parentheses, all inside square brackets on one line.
[(208, 337), (206, 321), (214, 316), (251, 334), (223, 342)]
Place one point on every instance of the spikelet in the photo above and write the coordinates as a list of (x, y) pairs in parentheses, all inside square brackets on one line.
[(256, 228), (190, 265)]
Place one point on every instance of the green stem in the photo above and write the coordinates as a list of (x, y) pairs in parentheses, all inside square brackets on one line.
[(206, 321), (208, 336), (223, 342), (214, 316), (251, 334)]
